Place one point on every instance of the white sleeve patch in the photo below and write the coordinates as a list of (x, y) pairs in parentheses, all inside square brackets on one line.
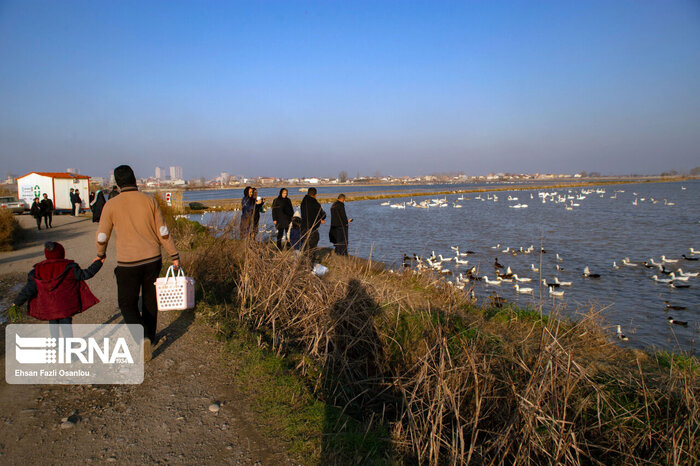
[(102, 238), (164, 231)]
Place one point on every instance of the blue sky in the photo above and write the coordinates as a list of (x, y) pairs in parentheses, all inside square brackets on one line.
[(299, 88)]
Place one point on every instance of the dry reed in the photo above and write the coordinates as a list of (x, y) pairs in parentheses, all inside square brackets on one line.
[(454, 383)]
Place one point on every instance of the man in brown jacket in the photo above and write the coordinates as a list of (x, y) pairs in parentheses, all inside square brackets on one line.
[(141, 231)]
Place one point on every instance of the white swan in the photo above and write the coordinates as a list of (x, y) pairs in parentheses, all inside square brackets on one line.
[(626, 261), (693, 251), (521, 280), (660, 280), (491, 282), (522, 290), (556, 280), (559, 258), (460, 261), (557, 294), (679, 278), (668, 261), (686, 274), (615, 266), (533, 268)]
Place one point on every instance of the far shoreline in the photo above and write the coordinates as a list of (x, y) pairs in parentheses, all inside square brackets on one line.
[(233, 204)]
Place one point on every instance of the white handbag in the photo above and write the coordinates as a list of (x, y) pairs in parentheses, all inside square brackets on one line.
[(175, 292)]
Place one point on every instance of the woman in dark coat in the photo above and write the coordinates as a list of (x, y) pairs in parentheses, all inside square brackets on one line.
[(282, 212), (259, 208), (36, 212), (97, 206), (247, 211), (338, 233)]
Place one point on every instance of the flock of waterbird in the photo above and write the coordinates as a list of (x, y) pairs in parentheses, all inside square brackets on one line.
[(568, 198), (436, 263), (463, 274)]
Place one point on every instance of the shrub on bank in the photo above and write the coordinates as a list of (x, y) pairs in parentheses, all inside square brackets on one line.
[(10, 230), (446, 380)]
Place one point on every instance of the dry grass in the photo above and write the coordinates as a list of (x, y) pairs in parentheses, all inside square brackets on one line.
[(10, 230), (451, 382)]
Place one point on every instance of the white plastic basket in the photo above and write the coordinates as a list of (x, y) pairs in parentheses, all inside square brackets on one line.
[(175, 292)]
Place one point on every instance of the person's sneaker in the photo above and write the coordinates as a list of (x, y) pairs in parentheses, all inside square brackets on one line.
[(147, 350)]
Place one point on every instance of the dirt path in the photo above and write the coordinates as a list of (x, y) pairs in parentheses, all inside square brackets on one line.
[(166, 419)]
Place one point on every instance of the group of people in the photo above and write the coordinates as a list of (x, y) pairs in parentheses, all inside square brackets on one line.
[(299, 228), (55, 287), (75, 201), (42, 210)]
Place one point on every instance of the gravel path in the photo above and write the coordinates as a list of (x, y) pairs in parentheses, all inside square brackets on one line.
[(166, 419)]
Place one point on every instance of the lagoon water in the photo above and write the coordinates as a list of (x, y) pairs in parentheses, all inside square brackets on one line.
[(603, 228), (269, 193)]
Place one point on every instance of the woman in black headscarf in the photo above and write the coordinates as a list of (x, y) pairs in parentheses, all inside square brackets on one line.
[(282, 212), (97, 206), (247, 211)]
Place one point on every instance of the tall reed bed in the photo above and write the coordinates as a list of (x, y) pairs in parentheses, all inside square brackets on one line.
[(449, 381)]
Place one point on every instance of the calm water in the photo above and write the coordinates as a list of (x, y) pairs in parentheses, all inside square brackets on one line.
[(190, 196), (600, 230)]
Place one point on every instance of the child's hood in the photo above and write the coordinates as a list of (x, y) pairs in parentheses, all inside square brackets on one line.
[(51, 273)]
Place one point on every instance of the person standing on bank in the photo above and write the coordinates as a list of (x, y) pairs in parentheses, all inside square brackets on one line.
[(259, 208), (312, 216), (36, 212), (97, 206), (282, 213), (141, 231), (72, 202), (47, 211), (113, 193), (78, 203), (247, 211), (338, 233)]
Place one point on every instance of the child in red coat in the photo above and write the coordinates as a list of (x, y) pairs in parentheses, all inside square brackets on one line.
[(56, 288)]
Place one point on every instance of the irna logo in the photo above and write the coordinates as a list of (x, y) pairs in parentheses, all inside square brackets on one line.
[(32, 350)]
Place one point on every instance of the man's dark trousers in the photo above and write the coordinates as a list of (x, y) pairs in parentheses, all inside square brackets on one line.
[(132, 281), (312, 240)]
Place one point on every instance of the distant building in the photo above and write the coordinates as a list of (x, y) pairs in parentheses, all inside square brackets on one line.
[(175, 173), (74, 171), (311, 180), (161, 174)]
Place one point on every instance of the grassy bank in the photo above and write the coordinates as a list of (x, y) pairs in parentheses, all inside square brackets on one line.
[(10, 230), (367, 366)]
